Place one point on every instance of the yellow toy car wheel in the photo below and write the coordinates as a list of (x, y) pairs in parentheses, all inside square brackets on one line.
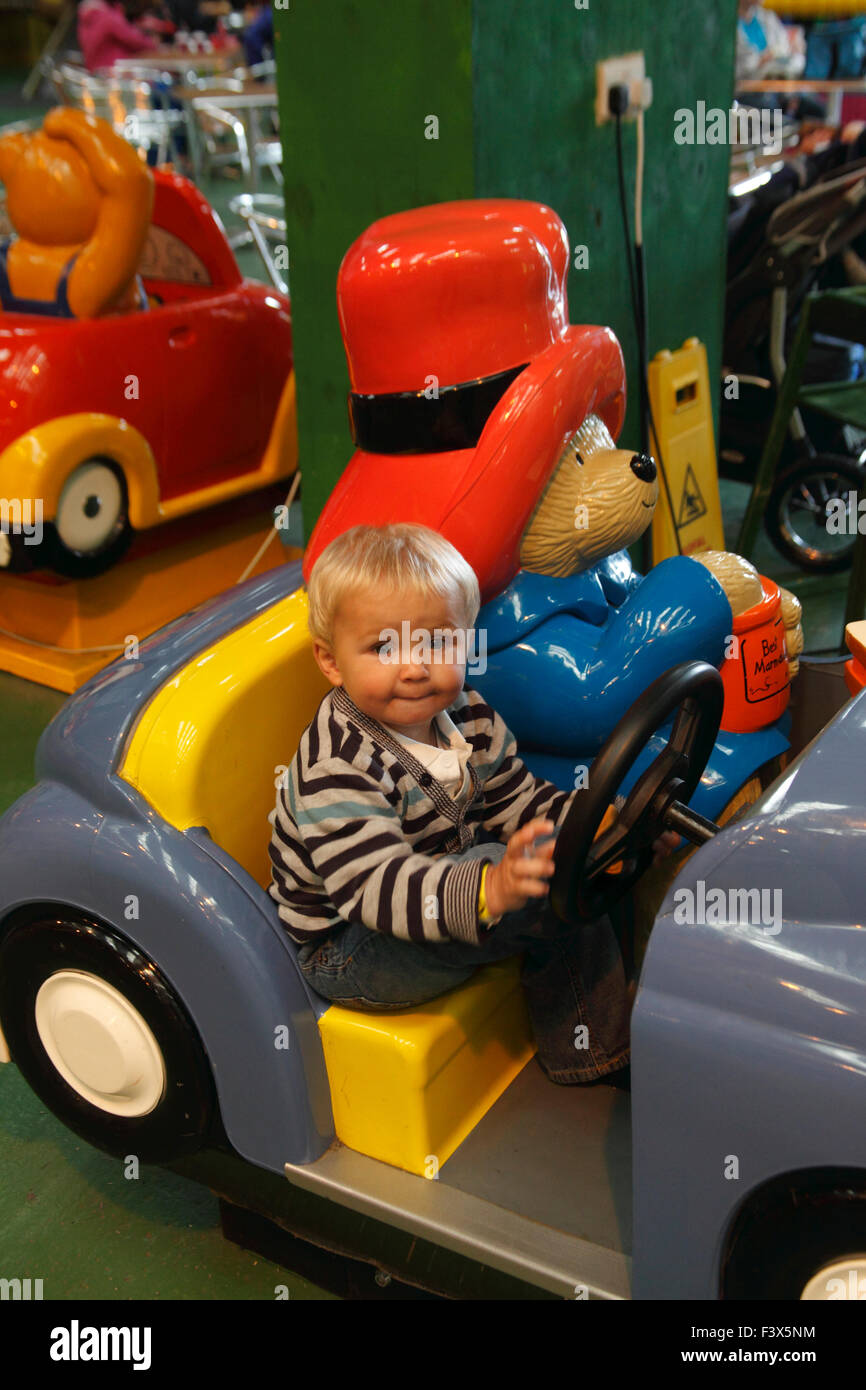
[(91, 525)]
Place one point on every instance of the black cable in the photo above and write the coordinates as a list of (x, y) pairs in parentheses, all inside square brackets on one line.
[(643, 329), (636, 288), (664, 476), (625, 223), (640, 322)]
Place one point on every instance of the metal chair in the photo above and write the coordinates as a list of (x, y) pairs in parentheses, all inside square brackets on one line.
[(238, 115), (264, 215), (223, 138), (45, 64), (138, 108), (258, 72), (214, 149), (53, 75), (230, 83), (175, 70)]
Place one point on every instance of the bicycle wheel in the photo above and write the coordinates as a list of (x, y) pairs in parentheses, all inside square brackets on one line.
[(812, 512)]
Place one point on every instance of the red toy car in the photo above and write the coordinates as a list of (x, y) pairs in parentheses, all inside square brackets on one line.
[(119, 423)]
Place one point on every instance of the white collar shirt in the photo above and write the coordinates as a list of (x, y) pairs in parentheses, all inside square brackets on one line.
[(448, 761)]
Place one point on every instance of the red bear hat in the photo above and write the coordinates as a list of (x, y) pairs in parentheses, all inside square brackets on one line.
[(467, 380)]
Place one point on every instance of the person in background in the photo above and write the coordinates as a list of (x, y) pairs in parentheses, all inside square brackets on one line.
[(198, 16), (258, 33), (105, 35), (152, 17)]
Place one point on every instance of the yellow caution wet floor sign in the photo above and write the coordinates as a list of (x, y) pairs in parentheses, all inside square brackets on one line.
[(682, 413), (692, 505)]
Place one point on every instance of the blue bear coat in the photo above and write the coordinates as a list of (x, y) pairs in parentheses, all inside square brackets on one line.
[(565, 658)]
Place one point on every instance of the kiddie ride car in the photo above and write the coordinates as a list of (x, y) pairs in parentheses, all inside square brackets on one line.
[(149, 991), (143, 379), (151, 997)]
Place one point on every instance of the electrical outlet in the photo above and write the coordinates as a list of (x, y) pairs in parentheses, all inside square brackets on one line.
[(627, 68)]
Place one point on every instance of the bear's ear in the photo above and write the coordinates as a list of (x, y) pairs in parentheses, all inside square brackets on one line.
[(12, 150), (592, 438)]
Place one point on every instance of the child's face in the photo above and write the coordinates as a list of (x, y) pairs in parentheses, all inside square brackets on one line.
[(398, 655)]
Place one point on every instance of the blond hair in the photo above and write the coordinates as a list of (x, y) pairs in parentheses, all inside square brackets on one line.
[(402, 556)]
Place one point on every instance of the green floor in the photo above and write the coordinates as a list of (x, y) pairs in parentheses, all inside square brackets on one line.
[(67, 1214)]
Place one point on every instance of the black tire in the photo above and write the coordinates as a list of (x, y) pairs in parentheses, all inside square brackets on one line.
[(796, 511), (75, 563), (31, 953), (775, 1254)]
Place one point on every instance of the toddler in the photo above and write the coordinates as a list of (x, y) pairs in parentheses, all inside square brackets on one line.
[(403, 849)]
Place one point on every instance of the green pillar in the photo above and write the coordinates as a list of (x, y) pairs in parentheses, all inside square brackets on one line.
[(512, 85)]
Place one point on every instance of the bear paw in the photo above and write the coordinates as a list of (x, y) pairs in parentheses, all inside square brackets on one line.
[(792, 615), (739, 579)]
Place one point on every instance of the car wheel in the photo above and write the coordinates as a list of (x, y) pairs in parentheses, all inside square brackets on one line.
[(796, 515), (103, 1040), (807, 1262), (827, 1261), (841, 1279), (802, 1240), (91, 524)]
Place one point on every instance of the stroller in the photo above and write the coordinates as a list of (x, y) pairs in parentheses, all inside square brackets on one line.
[(804, 230)]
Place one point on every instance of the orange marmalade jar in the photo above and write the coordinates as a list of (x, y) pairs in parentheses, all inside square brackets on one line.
[(755, 673)]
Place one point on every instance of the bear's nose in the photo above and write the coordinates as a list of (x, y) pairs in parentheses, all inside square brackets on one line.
[(644, 468)]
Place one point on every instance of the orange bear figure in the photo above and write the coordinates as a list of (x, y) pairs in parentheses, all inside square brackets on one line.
[(80, 201)]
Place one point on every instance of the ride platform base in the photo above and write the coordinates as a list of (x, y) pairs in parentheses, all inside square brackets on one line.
[(59, 632)]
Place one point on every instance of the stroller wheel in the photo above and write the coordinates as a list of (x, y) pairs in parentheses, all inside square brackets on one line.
[(811, 515)]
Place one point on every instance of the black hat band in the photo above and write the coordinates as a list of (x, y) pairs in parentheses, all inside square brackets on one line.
[(435, 421)]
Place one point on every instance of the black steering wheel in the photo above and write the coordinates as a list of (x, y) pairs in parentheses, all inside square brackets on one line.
[(583, 886)]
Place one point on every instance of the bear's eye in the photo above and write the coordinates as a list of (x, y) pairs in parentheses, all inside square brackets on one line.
[(579, 457)]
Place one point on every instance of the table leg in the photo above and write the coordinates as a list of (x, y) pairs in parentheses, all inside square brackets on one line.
[(251, 123)]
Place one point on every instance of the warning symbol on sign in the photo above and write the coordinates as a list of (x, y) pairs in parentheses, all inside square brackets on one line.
[(692, 504)]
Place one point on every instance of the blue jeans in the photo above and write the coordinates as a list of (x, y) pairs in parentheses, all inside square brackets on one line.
[(573, 979), (178, 143)]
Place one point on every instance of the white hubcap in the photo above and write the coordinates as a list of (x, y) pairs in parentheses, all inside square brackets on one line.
[(99, 1043), (843, 1279), (89, 507)]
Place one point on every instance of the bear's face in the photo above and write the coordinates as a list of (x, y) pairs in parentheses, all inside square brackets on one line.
[(595, 504), (51, 197)]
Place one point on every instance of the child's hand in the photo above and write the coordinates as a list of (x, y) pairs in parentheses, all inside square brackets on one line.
[(665, 845), (516, 878)]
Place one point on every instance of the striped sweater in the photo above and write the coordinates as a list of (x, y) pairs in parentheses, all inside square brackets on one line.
[(363, 832)]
